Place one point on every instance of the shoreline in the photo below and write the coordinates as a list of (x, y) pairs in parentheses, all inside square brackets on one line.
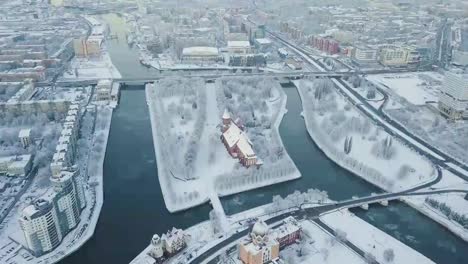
[(320, 145), (221, 193), (261, 212), (90, 223), (296, 175)]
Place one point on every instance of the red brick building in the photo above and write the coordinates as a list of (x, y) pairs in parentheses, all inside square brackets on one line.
[(237, 142)]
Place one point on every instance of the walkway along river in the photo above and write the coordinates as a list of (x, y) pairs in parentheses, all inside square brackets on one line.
[(134, 208)]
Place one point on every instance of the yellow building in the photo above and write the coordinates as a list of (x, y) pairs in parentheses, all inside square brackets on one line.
[(399, 56), (261, 247), (56, 2), (393, 56), (90, 47)]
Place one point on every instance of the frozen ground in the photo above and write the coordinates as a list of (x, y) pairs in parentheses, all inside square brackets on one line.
[(371, 240), (427, 123), (12, 236), (416, 88), (319, 246), (186, 115), (372, 153), (448, 209), (91, 69)]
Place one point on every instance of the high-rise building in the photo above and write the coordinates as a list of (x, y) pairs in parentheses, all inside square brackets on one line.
[(67, 200), (453, 99), (52, 216), (40, 225)]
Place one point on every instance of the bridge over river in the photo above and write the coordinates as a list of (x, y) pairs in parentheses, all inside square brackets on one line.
[(209, 76)]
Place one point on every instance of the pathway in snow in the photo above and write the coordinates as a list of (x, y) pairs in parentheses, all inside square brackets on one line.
[(219, 210), (205, 169)]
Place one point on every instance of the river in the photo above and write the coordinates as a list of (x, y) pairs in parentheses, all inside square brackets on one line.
[(134, 209)]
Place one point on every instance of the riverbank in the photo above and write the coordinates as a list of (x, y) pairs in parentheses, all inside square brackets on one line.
[(93, 191), (366, 238), (213, 169), (315, 131)]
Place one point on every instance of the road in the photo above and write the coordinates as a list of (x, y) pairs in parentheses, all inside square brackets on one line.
[(380, 118), (315, 212), (390, 126)]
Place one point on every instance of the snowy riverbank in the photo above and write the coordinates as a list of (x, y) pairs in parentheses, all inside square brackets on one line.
[(94, 199), (386, 168), (203, 167), (317, 135), (317, 244)]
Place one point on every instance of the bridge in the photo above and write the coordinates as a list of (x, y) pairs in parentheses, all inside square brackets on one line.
[(213, 76), (307, 210)]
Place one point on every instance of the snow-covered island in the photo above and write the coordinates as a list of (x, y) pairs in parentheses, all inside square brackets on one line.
[(187, 116), (339, 129), (357, 144)]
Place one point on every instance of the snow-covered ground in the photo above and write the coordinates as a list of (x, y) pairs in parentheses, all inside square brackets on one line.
[(453, 201), (91, 68), (394, 174), (416, 88), (448, 209), (12, 234), (332, 122), (319, 246), (202, 165), (372, 240), (428, 124)]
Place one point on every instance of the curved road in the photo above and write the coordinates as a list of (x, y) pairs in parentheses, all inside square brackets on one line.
[(390, 122)]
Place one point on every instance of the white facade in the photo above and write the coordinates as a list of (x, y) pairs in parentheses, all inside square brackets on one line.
[(200, 54), (239, 47), (460, 58), (15, 165), (364, 54), (103, 90), (66, 200), (39, 223), (66, 147), (453, 99), (173, 241), (25, 137), (157, 251), (50, 218)]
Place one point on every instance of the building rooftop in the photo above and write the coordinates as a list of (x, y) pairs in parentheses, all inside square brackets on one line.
[(200, 51), (263, 41), (238, 43), (24, 133)]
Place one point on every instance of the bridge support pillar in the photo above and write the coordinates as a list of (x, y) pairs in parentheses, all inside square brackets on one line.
[(365, 206), (384, 202)]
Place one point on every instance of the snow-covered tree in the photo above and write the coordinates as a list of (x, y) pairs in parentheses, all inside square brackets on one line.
[(340, 235), (370, 258), (389, 255)]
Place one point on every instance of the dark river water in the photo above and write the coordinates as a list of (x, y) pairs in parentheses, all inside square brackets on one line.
[(134, 207)]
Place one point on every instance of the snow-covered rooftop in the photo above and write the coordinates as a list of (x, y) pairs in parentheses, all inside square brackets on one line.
[(263, 41), (200, 51), (238, 43), (24, 133)]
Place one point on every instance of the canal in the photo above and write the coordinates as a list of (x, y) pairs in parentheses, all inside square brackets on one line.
[(134, 209)]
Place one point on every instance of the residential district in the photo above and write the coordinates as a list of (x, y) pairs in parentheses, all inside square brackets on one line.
[(282, 131)]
